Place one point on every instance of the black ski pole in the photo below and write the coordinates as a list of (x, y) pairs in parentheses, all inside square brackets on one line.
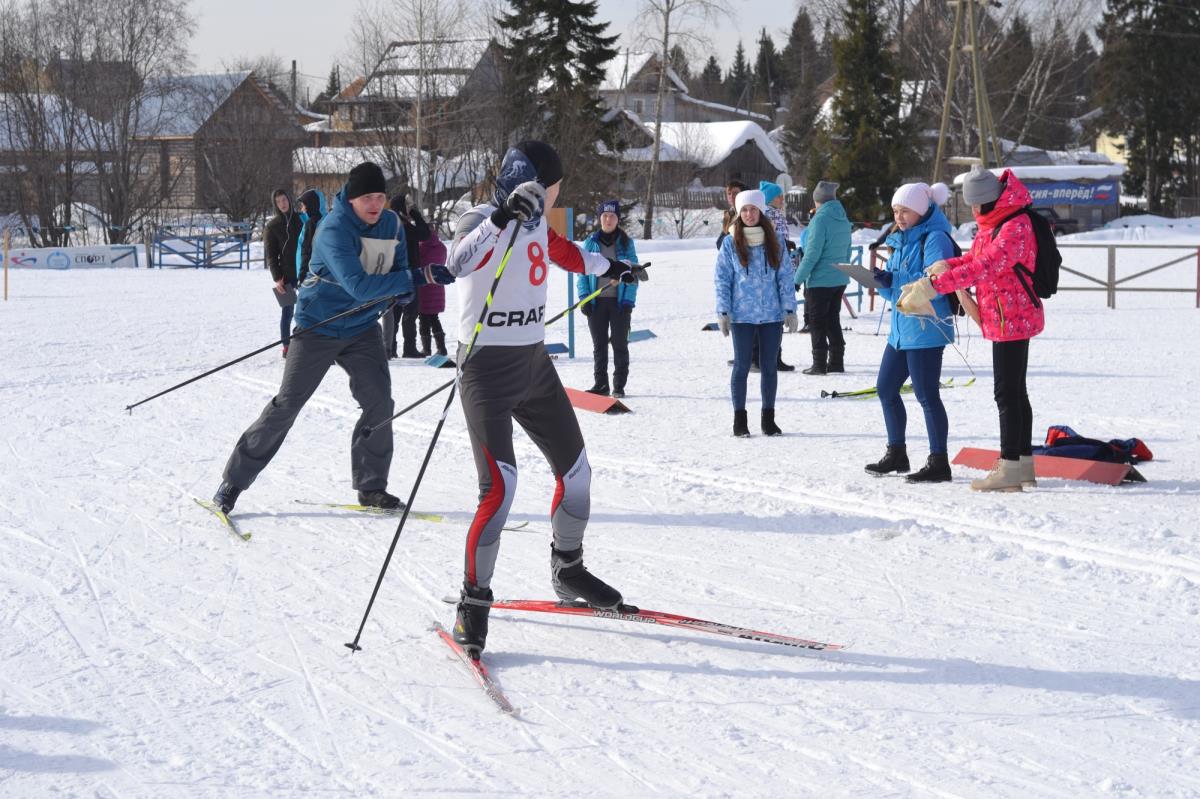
[(412, 496), (371, 428), (300, 332)]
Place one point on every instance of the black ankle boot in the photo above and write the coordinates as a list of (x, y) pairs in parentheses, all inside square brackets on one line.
[(819, 363), (226, 497), (440, 340), (471, 619), (599, 388), (424, 345), (380, 499), (894, 460), (572, 581), (741, 427), (784, 367), (935, 470), (769, 427), (836, 364)]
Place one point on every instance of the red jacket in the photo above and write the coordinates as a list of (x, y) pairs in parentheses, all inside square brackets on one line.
[(1006, 312), (431, 298)]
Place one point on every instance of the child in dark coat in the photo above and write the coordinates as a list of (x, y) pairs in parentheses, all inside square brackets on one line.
[(431, 298)]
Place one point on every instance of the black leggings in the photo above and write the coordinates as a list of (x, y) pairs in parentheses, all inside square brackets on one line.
[(1010, 361), (824, 306)]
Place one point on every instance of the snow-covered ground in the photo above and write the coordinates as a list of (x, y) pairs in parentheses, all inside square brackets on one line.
[(1032, 645)]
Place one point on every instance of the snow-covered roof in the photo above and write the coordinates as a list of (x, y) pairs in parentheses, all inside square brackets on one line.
[(443, 64), (708, 143), (1058, 172), (687, 98), (462, 170), (180, 105), (625, 67)]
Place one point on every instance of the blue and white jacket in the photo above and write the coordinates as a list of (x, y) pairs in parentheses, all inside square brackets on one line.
[(755, 294), (626, 292), (337, 280), (914, 249)]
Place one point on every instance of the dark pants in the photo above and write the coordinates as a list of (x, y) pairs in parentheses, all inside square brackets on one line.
[(924, 366), (431, 325), (309, 358), (769, 337), (402, 320), (607, 322), (500, 385), (285, 323), (824, 318), (1010, 361)]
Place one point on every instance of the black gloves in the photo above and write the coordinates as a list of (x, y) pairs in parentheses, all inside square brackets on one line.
[(626, 272)]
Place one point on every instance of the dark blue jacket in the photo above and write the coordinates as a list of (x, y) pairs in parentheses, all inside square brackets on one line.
[(308, 231), (586, 284), (341, 282)]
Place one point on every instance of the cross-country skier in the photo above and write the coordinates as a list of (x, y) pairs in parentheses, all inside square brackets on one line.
[(510, 376), (358, 255)]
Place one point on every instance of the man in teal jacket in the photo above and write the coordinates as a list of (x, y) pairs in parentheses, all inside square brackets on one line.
[(358, 255), (826, 242)]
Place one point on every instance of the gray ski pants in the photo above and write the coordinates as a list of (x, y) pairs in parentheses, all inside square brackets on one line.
[(309, 358)]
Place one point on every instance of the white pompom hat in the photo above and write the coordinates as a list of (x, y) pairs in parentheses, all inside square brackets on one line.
[(749, 197), (918, 196)]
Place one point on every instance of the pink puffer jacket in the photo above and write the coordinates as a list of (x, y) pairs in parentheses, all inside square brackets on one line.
[(431, 298), (1006, 311)]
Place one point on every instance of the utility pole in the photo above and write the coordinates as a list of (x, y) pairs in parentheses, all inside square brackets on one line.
[(983, 110), (293, 93)]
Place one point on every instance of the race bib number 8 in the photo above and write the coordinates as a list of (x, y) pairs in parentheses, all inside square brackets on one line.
[(537, 264)]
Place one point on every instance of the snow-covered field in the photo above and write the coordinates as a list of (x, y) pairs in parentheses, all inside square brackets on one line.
[(1033, 645)]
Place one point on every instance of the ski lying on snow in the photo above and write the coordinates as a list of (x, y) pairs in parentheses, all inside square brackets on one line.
[(229, 523), (479, 671), (374, 511), (631, 613)]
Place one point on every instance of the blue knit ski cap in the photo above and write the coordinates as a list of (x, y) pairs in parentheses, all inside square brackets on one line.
[(609, 207), (516, 168), (770, 190)]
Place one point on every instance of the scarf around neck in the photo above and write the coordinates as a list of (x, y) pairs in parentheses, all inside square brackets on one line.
[(754, 235)]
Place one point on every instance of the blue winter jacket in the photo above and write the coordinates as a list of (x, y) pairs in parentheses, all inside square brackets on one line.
[(586, 284), (755, 294), (913, 250), (341, 282), (305, 229), (826, 242)]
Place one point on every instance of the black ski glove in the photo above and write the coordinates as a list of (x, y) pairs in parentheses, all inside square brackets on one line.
[(627, 272)]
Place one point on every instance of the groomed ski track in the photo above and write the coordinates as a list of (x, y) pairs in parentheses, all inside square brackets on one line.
[(1040, 645)]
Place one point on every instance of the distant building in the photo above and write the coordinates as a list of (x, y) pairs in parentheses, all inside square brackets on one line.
[(631, 84)]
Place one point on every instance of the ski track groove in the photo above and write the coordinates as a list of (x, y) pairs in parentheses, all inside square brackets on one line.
[(312, 691), (87, 577)]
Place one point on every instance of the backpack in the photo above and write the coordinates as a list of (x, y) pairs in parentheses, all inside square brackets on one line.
[(1043, 281), (956, 308)]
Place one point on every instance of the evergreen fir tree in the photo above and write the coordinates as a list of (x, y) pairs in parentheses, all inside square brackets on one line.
[(708, 85), (872, 146), (555, 57), (799, 65), (767, 72), (737, 80), (679, 62), (333, 88)]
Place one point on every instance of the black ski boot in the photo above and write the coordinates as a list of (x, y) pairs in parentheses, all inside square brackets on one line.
[(572, 581), (471, 619), (599, 388), (935, 470), (769, 427), (741, 427), (424, 345), (819, 361), (894, 460), (836, 361), (440, 340), (380, 499), (226, 497)]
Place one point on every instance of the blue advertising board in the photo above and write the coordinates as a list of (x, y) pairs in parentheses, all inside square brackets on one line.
[(1069, 192)]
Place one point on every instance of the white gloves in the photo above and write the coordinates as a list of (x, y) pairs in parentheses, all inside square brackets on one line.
[(915, 298), (791, 322), (723, 323), (936, 268)]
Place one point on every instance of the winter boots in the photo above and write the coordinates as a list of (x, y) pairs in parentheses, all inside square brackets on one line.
[(836, 357), (573, 581), (769, 427), (440, 340), (425, 353), (784, 367), (1028, 480), (380, 499), (894, 460), (741, 427), (935, 470), (1004, 476), (820, 358), (471, 619), (599, 388), (226, 497)]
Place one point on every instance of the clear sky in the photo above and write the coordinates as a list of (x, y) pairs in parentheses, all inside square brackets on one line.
[(315, 32)]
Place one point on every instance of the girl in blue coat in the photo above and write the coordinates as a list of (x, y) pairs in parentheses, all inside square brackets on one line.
[(754, 295), (920, 238), (609, 314)]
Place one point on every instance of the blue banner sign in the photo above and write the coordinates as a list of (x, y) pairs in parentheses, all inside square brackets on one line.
[(1069, 192)]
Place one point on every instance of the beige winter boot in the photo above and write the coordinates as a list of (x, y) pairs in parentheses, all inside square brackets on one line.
[(1004, 476), (1028, 480)]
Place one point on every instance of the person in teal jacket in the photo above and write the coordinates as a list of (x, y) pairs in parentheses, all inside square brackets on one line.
[(920, 238), (753, 284), (826, 242), (609, 314), (358, 255)]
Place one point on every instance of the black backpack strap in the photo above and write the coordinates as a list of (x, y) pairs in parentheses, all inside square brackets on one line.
[(996, 230)]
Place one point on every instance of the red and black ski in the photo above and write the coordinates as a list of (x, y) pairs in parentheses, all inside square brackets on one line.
[(479, 671), (630, 613)]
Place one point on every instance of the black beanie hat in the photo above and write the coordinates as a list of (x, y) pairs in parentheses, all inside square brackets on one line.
[(545, 160), (366, 178)]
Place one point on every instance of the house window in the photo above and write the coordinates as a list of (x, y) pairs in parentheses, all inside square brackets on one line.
[(639, 106)]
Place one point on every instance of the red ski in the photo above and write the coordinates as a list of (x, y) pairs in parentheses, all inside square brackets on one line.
[(630, 613), (479, 672)]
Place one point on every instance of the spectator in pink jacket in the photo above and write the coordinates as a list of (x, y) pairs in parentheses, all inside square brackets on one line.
[(431, 297), (1009, 313)]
